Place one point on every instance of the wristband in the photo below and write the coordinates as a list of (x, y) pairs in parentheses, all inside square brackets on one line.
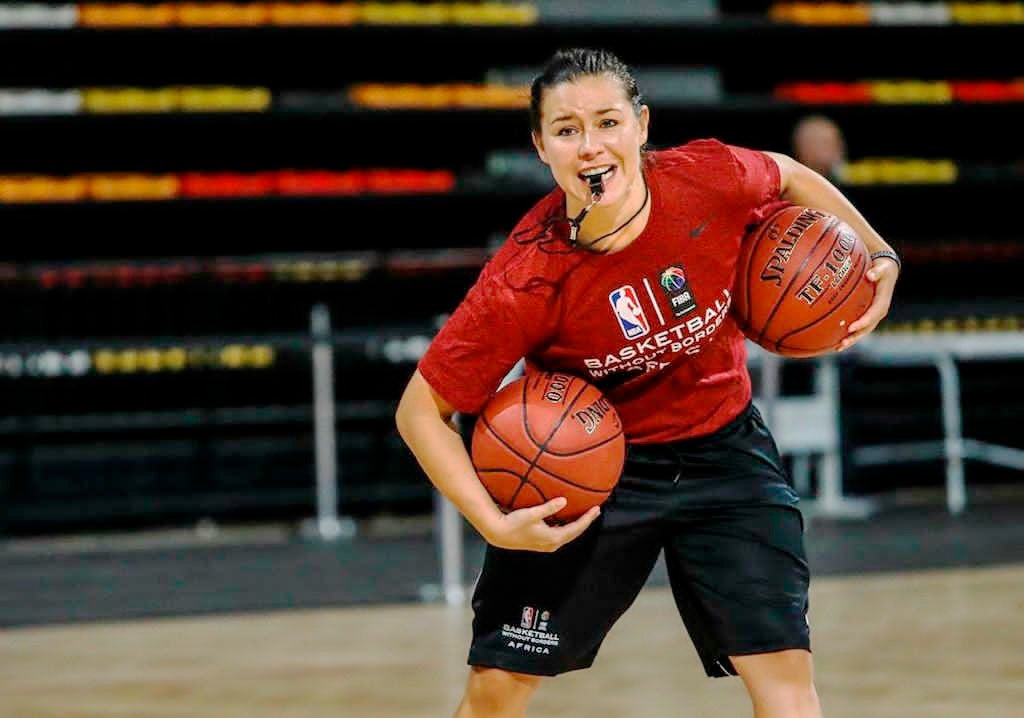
[(888, 254)]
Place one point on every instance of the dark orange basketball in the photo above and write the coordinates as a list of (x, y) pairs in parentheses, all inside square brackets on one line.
[(548, 435), (800, 282)]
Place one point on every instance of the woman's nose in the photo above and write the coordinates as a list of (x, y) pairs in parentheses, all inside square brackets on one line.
[(588, 145)]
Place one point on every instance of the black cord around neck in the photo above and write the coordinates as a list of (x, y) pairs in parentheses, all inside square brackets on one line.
[(574, 224)]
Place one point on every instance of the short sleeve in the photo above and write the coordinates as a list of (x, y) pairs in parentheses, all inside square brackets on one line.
[(759, 181), (493, 327)]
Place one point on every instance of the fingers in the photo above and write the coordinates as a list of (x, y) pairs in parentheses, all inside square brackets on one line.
[(570, 531), (867, 320), (874, 272), (881, 268), (528, 530), (850, 341), (550, 508), (875, 313)]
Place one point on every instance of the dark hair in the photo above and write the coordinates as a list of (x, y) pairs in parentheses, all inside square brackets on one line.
[(569, 65)]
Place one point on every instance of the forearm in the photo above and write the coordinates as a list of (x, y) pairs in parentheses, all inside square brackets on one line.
[(805, 187), (441, 453)]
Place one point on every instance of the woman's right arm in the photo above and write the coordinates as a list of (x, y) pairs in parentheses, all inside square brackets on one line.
[(424, 421)]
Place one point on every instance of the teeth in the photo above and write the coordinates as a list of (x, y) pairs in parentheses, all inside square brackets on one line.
[(596, 171)]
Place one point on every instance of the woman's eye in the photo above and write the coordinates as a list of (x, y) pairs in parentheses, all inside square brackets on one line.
[(566, 131), (609, 123)]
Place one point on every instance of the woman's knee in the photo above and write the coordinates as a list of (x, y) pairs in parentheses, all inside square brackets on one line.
[(793, 666), (493, 691), (781, 680)]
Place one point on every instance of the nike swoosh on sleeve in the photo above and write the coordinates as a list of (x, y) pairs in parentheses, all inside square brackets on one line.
[(696, 231)]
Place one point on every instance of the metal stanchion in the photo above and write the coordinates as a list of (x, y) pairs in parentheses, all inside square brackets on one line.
[(453, 588), (328, 526), (771, 385), (832, 501), (448, 530), (952, 424)]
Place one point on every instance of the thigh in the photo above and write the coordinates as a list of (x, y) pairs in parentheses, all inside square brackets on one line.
[(545, 614), (740, 578)]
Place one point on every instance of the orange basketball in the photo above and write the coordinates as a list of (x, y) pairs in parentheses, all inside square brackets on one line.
[(800, 282), (548, 435)]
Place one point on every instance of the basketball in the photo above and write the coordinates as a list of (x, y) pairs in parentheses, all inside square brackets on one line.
[(800, 282), (548, 435)]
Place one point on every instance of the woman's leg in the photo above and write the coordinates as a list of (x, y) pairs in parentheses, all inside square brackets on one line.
[(780, 684), (496, 693)]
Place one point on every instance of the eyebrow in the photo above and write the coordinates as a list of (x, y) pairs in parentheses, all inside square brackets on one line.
[(605, 111)]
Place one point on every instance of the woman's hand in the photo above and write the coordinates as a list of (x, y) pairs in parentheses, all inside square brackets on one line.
[(883, 273), (526, 529)]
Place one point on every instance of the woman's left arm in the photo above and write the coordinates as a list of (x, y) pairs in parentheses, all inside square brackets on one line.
[(803, 186)]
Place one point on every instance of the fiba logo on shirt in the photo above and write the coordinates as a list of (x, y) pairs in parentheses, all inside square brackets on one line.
[(680, 298), (629, 313)]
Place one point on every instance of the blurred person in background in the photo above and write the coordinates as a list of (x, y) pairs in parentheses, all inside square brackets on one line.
[(818, 143), (703, 479)]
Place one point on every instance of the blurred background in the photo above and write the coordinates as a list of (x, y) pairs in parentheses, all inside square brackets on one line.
[(231, 229)]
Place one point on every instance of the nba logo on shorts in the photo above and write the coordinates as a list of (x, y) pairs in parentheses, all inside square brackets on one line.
[(628, 311), (528, 614)]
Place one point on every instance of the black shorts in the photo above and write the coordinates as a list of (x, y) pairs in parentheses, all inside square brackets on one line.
[(724, 511)]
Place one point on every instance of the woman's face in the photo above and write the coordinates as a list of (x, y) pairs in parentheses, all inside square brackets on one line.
[(586, 125)]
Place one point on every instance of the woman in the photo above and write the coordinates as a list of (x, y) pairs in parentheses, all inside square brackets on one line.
[(576, 288)]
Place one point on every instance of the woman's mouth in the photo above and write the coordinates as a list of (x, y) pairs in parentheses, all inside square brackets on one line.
[(597, 177)]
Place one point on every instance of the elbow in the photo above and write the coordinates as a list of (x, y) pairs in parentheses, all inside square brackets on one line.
[(418, 408), (402, 419)]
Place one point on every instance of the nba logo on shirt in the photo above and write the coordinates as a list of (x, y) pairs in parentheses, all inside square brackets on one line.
[(527, 620), (628, 311)]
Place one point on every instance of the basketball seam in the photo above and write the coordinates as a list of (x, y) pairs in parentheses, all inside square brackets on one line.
[(515, 494), (782, 296), (549, 473), (568, 408), (542, 447), (511, 502), (567, 481), (839, 305), (746, 270), (536, 488), (747, 280), (589, 448), (501, 439)]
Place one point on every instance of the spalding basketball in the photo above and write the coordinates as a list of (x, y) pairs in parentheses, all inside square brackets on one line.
[(800, 282), (548, 435)]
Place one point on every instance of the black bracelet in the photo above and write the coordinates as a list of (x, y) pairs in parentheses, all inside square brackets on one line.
[(888, 254)]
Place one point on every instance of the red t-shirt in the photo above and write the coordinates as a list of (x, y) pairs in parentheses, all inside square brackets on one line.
[(649, 325)]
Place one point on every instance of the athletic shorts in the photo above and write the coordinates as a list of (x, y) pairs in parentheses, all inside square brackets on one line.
[(725, 513)]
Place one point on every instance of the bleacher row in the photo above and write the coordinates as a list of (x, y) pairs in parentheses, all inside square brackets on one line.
[(255, 14), (466, 95), (287, 183), (325, 183)]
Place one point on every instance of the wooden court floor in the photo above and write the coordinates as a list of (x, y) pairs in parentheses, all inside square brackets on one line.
[(941, 644)]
